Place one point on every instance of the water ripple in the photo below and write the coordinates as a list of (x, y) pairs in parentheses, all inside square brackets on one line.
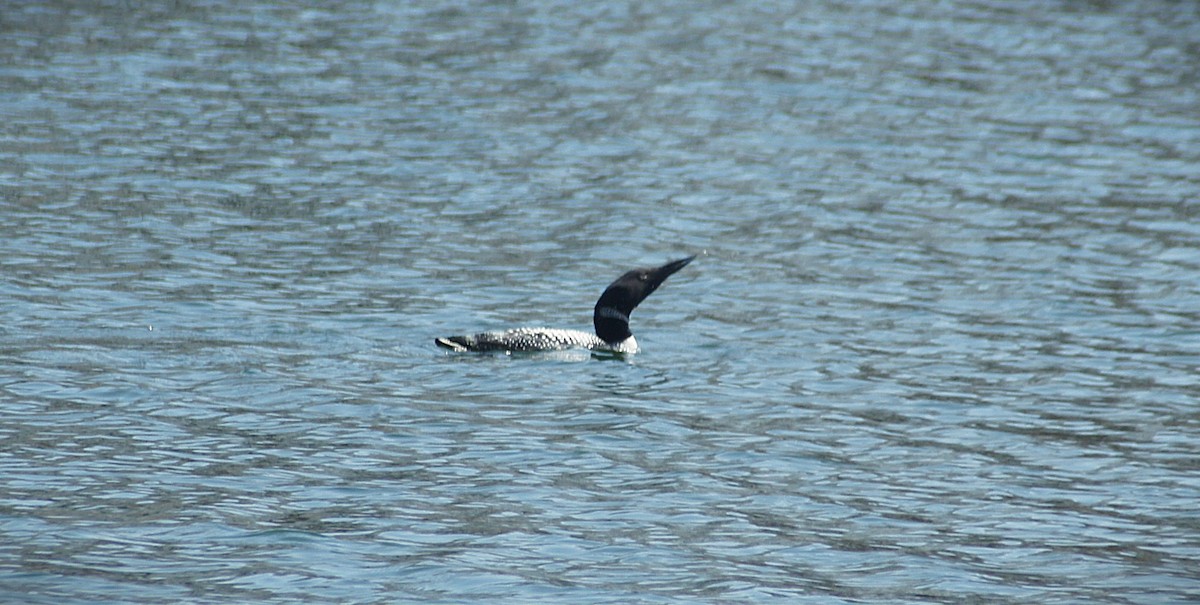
[(939, 344)]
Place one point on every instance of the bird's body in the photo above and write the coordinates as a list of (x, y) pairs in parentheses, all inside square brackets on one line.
[(610, 318), (535, 339)]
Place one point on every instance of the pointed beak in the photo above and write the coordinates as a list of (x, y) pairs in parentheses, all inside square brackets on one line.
[(665, 271)]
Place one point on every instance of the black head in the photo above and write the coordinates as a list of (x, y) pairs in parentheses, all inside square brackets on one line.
[(611, 315)]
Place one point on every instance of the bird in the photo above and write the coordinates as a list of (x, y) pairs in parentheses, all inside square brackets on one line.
[(610, 318)]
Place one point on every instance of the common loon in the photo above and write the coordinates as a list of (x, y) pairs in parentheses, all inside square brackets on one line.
[(611, 318)]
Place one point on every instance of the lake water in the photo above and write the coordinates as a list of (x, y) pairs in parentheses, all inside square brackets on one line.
[(941, 344)]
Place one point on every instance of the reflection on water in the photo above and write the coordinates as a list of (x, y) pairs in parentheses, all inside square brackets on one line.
[(942, 348)]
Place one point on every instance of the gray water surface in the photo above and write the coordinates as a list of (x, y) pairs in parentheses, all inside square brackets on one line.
[(942, 343)]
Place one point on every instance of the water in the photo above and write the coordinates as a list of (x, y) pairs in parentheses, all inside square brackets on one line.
[(941, 345)]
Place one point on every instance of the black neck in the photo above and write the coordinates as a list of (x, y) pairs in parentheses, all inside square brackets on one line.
[(612, 325)]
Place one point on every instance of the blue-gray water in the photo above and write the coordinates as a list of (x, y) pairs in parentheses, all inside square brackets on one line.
[(942, 345)]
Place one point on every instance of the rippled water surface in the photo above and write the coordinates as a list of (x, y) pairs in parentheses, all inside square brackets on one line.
[(942, 343)]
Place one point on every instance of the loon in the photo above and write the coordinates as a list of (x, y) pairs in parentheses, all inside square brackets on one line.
[(611, 318)]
